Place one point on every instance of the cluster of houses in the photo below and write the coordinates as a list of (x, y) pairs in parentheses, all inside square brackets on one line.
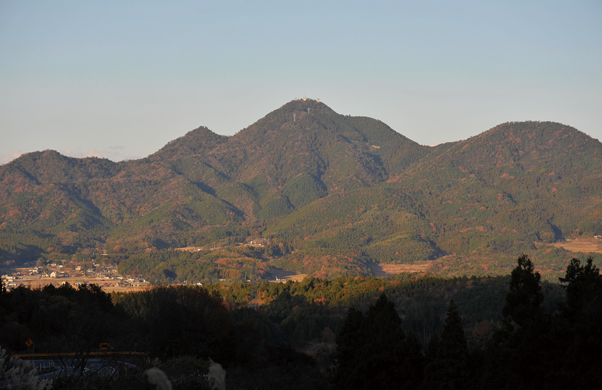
[(103, 275), (9, 282), (258, 242)]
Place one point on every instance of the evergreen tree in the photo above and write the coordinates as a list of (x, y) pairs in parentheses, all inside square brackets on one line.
[(449, 366), (349, 341), (583, 316), (583, 285), (525, 296), (372, 351), (433, 349), (523, 353)]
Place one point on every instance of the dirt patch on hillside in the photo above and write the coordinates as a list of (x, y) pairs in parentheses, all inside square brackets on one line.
[(281, 275), (383, 270), (297, 277), (582, 245)]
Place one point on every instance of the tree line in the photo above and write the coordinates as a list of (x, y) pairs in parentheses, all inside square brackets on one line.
[(531, 349), (355, 332)]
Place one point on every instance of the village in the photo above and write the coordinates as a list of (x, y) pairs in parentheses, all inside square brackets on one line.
[(58, 273)]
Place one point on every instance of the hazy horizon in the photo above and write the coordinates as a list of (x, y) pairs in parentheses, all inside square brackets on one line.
[(120, 80)]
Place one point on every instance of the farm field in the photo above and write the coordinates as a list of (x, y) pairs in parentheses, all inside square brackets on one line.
[(283, 275), (393, 269), (588, 245)]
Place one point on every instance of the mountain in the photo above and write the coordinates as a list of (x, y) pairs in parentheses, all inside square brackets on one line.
[(331, 194)]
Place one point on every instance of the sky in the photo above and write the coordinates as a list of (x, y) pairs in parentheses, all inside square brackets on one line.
[(120, 79)]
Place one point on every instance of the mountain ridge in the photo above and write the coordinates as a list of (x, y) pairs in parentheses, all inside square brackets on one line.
[(316, 184)]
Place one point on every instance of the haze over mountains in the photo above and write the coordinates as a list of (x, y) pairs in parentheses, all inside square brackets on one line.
[(332, 194)]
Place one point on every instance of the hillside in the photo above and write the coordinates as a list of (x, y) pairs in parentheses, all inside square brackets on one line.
[(332, 194)]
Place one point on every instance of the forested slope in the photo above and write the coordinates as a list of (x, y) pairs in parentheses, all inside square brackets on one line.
[(331, 193)]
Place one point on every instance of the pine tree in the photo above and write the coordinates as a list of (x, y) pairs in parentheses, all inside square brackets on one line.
[(372, 350), (523, 353), (448, 368), (583, 285), (434, 348), (583, 316), (349, 342), (525, 296)]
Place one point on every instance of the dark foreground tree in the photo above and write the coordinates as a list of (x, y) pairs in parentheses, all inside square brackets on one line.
[(178, 321), (525, 296), (449, 365), (582, 314), (523, 354), (373, 352)]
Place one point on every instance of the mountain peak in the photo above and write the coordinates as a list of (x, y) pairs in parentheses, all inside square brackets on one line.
[(197, 141), (533, 140), (320, 182)]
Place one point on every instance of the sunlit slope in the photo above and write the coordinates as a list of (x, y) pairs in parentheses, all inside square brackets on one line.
[(382, 224), (514, 184), (331, 188)]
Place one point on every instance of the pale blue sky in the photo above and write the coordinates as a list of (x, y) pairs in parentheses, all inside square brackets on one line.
[(120, 79)]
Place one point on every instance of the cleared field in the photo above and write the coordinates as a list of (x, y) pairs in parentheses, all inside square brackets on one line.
[(393, 269), (288, 275), (580, 245), (297, 277)]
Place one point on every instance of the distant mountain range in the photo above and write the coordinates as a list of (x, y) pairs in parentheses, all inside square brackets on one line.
[(331, 194)]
